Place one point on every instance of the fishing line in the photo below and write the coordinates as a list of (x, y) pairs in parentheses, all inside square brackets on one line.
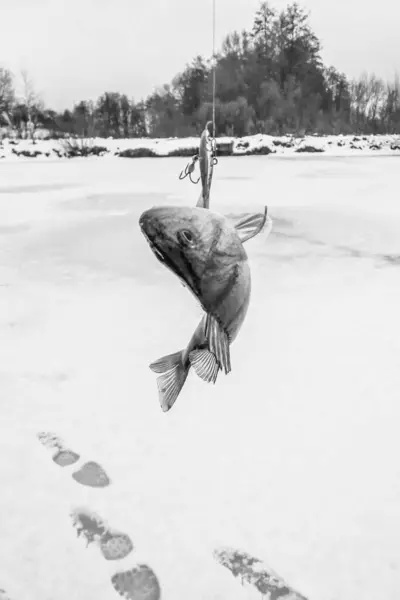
[(214, 79), (188, 170)]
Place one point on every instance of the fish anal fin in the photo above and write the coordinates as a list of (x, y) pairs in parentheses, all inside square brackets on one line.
[(218, 342), (205, 365), (251, 225)]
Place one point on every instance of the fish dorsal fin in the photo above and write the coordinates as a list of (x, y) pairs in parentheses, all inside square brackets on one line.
[(251, 225), (204, 364), (218, 342)]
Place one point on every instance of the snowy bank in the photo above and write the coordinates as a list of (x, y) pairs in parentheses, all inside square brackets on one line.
[(11, 149)]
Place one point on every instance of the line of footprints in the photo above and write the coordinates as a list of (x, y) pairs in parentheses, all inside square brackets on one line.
[(138, 583)]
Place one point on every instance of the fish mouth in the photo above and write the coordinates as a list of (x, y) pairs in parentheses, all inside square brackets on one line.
[(165, 260), (150, 233), (158, 253)]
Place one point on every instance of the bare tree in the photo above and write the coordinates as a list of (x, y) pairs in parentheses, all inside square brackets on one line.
[(7, 95), (32, 102)]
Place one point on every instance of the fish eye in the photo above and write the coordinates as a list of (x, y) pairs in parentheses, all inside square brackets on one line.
[(186, 237)]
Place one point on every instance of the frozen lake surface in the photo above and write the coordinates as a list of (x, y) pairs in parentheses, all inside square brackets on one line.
[(293, 457)]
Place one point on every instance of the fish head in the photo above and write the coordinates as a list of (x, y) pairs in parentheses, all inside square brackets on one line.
[(192, 242)]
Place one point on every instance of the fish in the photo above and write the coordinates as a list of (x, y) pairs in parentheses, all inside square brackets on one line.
[(204, 249)]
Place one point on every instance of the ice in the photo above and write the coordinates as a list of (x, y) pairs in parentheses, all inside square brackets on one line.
[(293, 457)]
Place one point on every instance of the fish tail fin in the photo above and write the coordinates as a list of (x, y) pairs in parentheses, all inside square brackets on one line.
[(165, 363), (172, 380)]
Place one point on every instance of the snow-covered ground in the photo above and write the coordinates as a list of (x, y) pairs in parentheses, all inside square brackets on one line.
[(339, 145), (293, 457)]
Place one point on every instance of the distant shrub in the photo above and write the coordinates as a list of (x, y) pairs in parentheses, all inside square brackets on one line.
[(82, 147), (184, 151), (283, 143), (98, 150), (307, 148), (27, 153), (137, 153), (261, 150)]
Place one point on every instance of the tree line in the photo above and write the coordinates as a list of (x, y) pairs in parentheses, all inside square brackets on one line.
[(270, 79)]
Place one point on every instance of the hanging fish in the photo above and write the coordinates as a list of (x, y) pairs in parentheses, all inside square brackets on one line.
[(205, 250)]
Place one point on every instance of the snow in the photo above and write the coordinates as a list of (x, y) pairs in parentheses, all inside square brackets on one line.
[(340, 145), (293, 457)]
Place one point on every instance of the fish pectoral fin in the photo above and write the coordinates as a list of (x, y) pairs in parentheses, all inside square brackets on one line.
[(166, 363), (251, 225), (205, 365), (218, 342)]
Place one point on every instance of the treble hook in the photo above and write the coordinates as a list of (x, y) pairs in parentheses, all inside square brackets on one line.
[(214, 152), (187, 172)]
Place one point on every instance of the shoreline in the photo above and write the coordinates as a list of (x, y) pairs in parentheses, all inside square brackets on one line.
[(255, 145)]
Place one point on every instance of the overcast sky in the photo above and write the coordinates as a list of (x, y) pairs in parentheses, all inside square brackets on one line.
[(77, 49)]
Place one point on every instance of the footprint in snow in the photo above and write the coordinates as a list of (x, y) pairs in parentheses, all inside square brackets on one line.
[(113, 544), (138, 583), (253, 571), (90, 473)]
